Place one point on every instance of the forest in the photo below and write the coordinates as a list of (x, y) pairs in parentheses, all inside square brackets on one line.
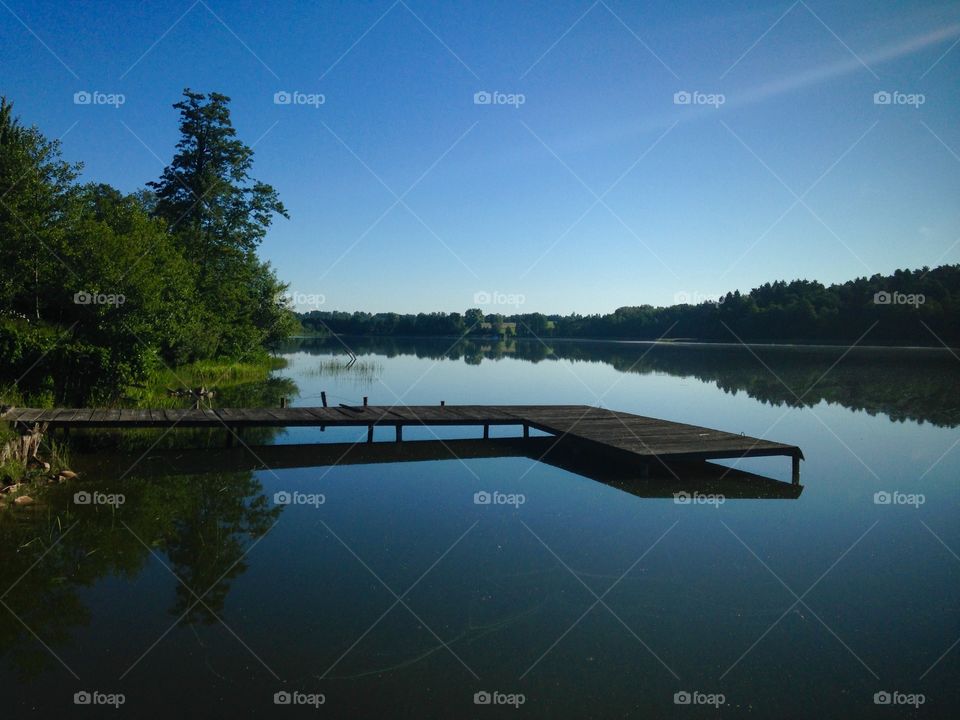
[(99, 288), (909, 307)]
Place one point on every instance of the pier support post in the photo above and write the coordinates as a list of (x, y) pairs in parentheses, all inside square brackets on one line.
[(796, 469), (486, 432), (399, 433), (526, 430), (369, 433), (323, 397)]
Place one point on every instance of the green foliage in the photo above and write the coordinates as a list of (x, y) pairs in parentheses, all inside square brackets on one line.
[(799, 311), (98, 289), (218, 216)]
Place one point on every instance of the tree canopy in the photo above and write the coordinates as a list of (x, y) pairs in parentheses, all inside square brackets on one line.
[(909, 307), (98, 287)]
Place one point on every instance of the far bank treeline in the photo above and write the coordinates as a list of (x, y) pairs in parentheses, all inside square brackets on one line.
[(99, 288), (909, 307)]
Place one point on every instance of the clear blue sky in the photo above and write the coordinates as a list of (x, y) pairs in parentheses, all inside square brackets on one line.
[(694, 198)]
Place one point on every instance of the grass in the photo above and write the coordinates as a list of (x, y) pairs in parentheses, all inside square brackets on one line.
[(31, 477), (362, 372), (217, 375), (240, 383)]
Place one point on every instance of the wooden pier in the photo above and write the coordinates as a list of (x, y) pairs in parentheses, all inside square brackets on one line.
[(624, 435)]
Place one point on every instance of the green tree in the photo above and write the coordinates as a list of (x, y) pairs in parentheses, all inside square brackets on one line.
[(36, 199), (219, 215)]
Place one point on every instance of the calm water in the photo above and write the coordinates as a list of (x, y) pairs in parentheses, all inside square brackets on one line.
[(399, 596)]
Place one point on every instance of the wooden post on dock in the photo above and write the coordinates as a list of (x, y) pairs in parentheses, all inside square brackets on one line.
[(399, 433), (364, 400), (526, 430), (442, 403), (796, 469), (369, 433), (486, 432), (283, 402), (323, 397)]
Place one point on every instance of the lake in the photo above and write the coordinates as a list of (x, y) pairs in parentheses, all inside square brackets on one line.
[(366, 590)]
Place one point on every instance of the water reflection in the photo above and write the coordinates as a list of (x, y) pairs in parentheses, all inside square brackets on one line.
[(903, 384), (200, 510), (200, 524), (656, 480)]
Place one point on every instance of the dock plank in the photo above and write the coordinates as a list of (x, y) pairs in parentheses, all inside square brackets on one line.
[(619, 431)]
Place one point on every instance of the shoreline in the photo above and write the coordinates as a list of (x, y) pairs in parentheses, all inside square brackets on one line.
[(628, 341)]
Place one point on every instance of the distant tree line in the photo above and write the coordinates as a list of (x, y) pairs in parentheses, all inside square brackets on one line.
[(909, 307), (98, 287)]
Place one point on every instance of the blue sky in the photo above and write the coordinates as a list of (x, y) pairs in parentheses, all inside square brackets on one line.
[(602, 189)]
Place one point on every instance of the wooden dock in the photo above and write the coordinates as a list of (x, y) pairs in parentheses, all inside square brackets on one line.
[(621, 434)]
